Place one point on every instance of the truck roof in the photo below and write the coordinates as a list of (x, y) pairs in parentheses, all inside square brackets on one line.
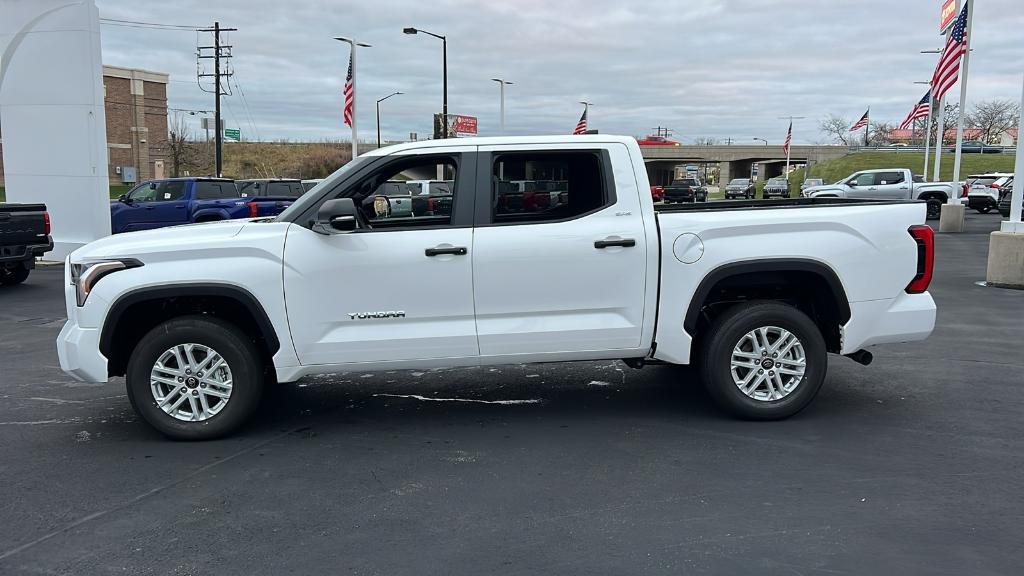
[(498, 140)]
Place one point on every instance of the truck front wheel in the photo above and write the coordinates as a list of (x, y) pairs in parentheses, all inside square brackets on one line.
[(763, 360), (195, 378)]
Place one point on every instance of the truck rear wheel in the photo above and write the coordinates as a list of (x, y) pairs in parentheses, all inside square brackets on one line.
[(11, 276), (763, 360), (934, 209), (195, 378)]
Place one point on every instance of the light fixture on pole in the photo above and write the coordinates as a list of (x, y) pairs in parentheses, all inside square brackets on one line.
[(352, 72), (502, 83), (444, 57), (762, 140), (378, 113)]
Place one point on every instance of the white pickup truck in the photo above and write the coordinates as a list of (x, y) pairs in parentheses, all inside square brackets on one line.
[(890, 184), (756, 293)]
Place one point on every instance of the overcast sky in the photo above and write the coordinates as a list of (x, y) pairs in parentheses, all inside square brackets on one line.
[(718, 68)]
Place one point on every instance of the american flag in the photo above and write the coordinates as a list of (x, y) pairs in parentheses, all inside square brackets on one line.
[(862, 123), (789, 139), (948, 70), (350, 93), (921, 110), (581, 126)]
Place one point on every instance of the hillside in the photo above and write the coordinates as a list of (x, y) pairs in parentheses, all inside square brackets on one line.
[(833, 170)]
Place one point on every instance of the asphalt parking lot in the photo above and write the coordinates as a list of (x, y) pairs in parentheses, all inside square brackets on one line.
[(910, 466)]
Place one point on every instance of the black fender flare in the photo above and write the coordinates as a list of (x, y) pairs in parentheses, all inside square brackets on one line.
[(243, 296), (765, 265)]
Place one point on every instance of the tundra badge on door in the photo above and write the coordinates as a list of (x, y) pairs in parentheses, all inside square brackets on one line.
[(375, 315)]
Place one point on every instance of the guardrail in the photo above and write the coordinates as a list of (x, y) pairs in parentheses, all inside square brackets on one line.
[(945, 148)]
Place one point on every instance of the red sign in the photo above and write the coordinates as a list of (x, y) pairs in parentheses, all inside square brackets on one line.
[(947, 14), (463, 124)]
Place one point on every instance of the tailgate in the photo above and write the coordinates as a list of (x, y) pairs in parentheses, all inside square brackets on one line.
[(22, 224)]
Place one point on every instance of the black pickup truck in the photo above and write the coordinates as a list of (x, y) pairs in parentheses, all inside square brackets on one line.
[(24, 235)]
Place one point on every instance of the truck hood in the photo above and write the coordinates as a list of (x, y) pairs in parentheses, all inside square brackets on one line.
[(169, 239)]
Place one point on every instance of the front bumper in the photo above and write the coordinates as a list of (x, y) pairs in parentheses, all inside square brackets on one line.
[(78, 350)]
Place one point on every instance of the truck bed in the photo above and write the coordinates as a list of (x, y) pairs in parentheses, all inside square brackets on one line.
[(719, 205)]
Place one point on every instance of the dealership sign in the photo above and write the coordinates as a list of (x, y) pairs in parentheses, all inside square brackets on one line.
[(947, 15), (463, 124)]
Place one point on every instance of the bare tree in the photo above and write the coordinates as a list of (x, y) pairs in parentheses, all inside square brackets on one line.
[(837, 128), (880, 134), (993, 118), (179, 144), (706, 141)]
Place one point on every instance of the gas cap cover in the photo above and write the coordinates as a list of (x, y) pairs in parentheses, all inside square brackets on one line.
[(688, 248)]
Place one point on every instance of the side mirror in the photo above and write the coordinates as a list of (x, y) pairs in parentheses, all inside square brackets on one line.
[(336, 217), (852, 183), (123, 198), (152, 185)]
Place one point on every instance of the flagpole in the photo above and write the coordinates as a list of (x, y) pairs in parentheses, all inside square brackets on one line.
[(928, 133), (352, 57), (788, 149), (963, 98), (939, 143), (867, 126)]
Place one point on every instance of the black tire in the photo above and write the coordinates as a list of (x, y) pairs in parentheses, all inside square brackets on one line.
[(934, 209), (240, 353), (12, 276), (984, 209), (727, 331)]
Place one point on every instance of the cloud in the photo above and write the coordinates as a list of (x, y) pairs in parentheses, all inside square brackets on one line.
[(721, 68)]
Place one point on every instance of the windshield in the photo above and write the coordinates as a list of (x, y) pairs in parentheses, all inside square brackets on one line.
[(303, 202)]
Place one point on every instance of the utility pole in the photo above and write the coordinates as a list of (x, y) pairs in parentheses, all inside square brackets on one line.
[(219, 51)]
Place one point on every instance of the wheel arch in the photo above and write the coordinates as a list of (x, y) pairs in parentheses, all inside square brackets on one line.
[(210, 215), (796, 279), (230, 302)]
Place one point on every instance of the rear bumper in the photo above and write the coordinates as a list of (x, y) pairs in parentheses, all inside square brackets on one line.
[(982, 202), (906, 318), (78, 350), (9, 254)]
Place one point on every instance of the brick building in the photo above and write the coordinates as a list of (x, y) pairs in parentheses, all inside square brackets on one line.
[(135, 104)]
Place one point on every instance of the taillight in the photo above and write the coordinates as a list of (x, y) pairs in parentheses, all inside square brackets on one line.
[(925, 238), (430, 205), (964, 188), (254, 210), (46, 221)]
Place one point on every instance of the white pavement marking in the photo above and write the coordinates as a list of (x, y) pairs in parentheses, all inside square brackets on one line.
[(427, 399)]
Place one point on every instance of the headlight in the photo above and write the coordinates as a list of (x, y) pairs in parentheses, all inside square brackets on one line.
[(85, 275)]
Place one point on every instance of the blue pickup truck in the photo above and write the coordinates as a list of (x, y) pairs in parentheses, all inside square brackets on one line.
[(173, 201)]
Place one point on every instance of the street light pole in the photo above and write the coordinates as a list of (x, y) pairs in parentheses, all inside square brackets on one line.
[(502, 83), (762, 140), (586, 111), (378, 113), (355, 134), (444, 56)]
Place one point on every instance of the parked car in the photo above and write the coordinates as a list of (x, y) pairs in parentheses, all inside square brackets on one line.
[(24, 236), (776, 187), (653, 140), (308, 185), (740, 188), (200, 319), (977, 147), (983, 190), (269, 196), (174, 201), (658, 193), (890, 184), (686, 190), (808, 182), (1004, 203)]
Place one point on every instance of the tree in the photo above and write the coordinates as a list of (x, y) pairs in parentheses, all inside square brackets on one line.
[(880, 134), (706, 141), (179, 144), (837, 128), (950, 112), (993, 118)]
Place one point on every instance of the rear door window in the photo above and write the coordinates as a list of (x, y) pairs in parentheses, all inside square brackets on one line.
[(286, 189), (888, 178), (546, 187), (213, 190)]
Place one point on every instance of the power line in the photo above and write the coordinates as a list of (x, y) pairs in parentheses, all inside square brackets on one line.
[(150, 25), (245, 105)]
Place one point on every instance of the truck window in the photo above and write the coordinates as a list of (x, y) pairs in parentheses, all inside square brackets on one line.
[(544, 187), (170, 191), (285, 189), (213, 190), (885, 178), (385, 199), (864, 179), (145, 192)]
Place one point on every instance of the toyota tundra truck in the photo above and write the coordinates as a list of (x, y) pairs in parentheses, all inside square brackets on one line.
[(756, 294), (891, 184)]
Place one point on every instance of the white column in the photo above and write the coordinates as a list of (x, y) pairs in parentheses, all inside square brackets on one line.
[(939, 133), (1013, 224), (928, 134), (51, 109)]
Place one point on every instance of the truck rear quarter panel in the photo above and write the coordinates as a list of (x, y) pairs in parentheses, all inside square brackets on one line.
[(868, 247)]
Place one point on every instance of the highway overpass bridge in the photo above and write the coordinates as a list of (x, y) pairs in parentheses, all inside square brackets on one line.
[(735, 161)]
